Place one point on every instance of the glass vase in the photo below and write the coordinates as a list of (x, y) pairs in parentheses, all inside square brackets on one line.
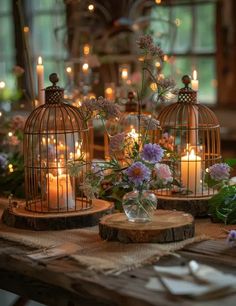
[(139, 206)]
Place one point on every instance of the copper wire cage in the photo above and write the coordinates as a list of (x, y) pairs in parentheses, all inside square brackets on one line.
[(191, 137), (55, 135), (135, 124)]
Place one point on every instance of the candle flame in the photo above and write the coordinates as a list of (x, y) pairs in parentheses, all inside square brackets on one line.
[(40, 60), (195, 75), (85, 67), (124, 73)]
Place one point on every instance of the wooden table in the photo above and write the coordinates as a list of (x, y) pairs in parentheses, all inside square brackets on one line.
[(63, 282)]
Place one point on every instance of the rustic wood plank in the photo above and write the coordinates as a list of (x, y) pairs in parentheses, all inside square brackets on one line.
[(63, 282), (166, 226)]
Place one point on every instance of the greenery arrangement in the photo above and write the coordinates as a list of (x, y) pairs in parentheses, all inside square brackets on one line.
[(223, 203)]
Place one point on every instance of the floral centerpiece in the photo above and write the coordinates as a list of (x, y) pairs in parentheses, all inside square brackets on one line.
[(132, 181)]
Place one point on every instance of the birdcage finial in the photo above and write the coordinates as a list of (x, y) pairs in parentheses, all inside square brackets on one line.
[(186, 94), (54, 93), (53, 78)]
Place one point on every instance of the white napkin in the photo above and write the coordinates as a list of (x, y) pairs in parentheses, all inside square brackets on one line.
[(178, 280)]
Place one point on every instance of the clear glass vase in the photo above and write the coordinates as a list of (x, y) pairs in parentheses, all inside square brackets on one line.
[(139, 206)]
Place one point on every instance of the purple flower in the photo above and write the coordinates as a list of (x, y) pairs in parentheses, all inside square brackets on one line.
[(219, 172), (152, 153), (163, 173), (138, 173), (231, 239)]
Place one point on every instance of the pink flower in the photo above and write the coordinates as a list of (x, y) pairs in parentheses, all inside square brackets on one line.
[(163, 174)]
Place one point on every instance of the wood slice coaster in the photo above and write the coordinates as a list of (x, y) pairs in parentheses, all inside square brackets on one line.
[(20, 218), (198, 207), (166, 226)]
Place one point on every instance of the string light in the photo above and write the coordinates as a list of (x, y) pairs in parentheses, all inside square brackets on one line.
[(166, 58), (26, 29), (2, 84), (91, 7), (86, 49), (10, 134), (85, 67), (68, 69), (153, 86), (177, 22), (158, 1), (158, 64), (10, 167), (0, 114)]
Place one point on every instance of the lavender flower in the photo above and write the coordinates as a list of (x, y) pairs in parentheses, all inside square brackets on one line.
[(117, 142), (138, 173), (231, 239), (107, 109), (166, 83), (152, 153), (163, 174), (219, 172)]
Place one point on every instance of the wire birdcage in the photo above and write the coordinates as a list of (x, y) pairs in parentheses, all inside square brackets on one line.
[(191, 137), (55, 135), (136, 124)]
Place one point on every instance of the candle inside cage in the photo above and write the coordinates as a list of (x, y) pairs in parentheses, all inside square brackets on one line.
[(59, 191), (191, 171)]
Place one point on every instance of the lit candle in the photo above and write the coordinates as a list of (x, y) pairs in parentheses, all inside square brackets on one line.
[(133, 134), (109, 93), (124, 74), (69, 72), (195, 81), (191, 171), (86, 49), (59, 190), (85, 68), (40, 77)]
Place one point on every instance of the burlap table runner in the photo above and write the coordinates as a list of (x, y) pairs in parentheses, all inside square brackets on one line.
[(103, 256)]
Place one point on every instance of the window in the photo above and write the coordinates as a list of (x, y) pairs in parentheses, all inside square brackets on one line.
[(187, 33), (7, 48), (47, 21)]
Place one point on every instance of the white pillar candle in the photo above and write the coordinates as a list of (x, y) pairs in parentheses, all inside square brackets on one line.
[(59, 189), (40, 78), (191, 171), (195, 82)]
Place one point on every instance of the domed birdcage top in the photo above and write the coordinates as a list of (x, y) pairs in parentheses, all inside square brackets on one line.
[(55, 114), (186, 111)]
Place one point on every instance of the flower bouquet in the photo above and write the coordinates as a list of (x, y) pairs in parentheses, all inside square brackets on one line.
[(133, 169)]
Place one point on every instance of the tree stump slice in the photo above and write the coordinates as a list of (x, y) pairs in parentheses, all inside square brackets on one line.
[(198, 207), (19, 217), (166, 226)]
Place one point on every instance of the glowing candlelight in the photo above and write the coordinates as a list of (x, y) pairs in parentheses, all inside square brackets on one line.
[(86, 49), (40, 78), (85, 67), (109, 93), (58, 187), (191, 171), (195, 82)]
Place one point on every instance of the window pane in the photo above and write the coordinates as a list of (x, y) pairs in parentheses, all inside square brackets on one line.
[(183, 18), (45, 5), (206, 74), (205, 38)]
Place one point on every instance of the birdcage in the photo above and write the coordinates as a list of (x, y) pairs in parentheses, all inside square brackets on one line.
[(136, 125), (55, 135), (191, 137)]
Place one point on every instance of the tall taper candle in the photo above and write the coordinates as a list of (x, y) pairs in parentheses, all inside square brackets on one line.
[(40, 77)]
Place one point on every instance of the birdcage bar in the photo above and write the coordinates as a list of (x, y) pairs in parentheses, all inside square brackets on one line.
[(195, 133), (55, 134)]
